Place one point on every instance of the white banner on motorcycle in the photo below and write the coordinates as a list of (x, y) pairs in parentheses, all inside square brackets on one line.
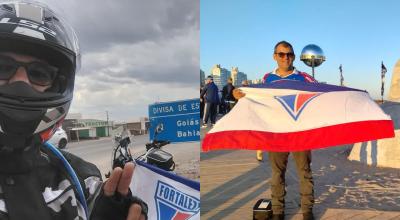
[(169, 196)]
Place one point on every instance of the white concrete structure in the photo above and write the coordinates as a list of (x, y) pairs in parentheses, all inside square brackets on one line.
[(381, 153), (394, 92), (384, 152)]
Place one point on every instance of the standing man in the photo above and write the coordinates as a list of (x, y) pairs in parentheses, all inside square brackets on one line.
[(210, 96), (284, 57), (201, 104), (228, 96)]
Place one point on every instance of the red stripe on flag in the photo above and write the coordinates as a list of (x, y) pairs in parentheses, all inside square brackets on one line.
[(302, 140)]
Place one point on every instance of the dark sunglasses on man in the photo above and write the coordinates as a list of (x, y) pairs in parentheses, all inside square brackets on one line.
[(39, 73), (283, 55)]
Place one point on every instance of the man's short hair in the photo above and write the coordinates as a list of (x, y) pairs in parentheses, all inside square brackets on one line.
[(285, 44), (210, 77)]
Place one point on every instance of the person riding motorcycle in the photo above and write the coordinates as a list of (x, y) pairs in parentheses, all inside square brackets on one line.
[(39, 57)]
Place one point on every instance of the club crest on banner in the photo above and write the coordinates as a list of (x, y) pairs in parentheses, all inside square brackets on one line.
[(173, 204), (295, 104)]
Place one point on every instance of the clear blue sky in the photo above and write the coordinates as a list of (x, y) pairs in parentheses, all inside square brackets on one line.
[(357, 34)]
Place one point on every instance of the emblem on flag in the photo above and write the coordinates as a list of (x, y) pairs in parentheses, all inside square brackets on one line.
[(295, 104), (173, 204)]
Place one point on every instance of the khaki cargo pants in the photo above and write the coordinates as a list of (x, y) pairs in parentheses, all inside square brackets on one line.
[(278, 162)]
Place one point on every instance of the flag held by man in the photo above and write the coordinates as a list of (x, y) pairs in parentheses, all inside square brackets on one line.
[(296, 116)]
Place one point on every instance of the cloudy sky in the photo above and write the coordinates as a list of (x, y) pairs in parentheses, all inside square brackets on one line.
[(134, 53)]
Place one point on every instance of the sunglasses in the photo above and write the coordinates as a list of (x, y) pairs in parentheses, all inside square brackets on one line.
[(282, 55), (39, 73)]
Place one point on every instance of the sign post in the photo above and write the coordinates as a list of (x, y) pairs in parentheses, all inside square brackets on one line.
[(180, 120)]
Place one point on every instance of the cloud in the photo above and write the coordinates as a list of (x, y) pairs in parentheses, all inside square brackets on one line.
[(134, 53), (127, 101), (101, 24), (174, 60)]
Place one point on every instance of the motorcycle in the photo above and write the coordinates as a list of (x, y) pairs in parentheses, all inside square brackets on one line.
[(154, 155)]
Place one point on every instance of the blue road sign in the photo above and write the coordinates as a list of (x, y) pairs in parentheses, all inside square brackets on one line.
[(180, 120)]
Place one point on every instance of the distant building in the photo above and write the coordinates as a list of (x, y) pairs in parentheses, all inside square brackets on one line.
[(135, 128), (220, 75), (78, 128), (237, 77), (256, 81), (73, 116), (202, 78)]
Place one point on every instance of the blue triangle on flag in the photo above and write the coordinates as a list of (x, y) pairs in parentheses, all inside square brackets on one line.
[(165, 212), (289, 100), (289, 103)]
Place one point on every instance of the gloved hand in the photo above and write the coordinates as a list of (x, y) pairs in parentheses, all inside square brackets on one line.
[(116, 200)]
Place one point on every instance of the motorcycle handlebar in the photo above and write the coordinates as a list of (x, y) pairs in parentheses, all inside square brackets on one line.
[(162, 143), (157, 144)]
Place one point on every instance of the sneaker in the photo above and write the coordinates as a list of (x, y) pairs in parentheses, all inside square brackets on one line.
[(278, 216), (204, 126), (212, 125), (259, 155), (308, 216)]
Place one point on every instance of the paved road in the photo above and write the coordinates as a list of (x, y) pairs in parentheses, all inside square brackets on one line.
[(186, 155)]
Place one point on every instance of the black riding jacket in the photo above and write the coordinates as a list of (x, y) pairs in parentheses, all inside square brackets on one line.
[(34, 184)]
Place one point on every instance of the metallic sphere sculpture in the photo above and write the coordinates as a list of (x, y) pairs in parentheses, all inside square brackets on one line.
[(312, 56), (312, 53)]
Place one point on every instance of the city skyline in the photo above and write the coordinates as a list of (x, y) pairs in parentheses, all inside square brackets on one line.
[(238, 76)]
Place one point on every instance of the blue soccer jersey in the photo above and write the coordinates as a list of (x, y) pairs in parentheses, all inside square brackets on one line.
[(296, 75)]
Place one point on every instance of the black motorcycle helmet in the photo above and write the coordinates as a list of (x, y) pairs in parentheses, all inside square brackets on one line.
[(31, 28)]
